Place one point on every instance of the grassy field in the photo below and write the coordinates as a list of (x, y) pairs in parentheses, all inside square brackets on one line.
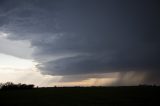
[(83, 96)]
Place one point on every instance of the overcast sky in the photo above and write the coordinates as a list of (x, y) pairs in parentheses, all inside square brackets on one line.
[(84, 42)]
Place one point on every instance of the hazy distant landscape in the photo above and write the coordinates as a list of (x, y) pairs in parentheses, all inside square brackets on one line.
[(82, 96)]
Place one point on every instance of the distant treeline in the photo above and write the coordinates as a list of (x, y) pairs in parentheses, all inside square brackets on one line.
[(10, 86)]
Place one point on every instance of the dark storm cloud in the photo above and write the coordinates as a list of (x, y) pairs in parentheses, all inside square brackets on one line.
[(88, 36)]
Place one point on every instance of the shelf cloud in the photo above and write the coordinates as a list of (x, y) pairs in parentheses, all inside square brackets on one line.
[(86, 37)]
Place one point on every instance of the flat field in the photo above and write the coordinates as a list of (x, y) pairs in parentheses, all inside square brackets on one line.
[(82, 96)]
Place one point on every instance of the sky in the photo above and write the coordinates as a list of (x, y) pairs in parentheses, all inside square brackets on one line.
[(80, 42)]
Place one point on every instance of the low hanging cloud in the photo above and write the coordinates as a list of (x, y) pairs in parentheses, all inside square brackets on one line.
[(79, 37)]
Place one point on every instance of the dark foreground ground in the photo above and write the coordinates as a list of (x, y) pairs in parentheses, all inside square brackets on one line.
[(93, 96)]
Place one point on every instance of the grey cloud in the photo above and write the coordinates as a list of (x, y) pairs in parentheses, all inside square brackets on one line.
[(136, 78), (16, 48), (76, 78), (100, 36)]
